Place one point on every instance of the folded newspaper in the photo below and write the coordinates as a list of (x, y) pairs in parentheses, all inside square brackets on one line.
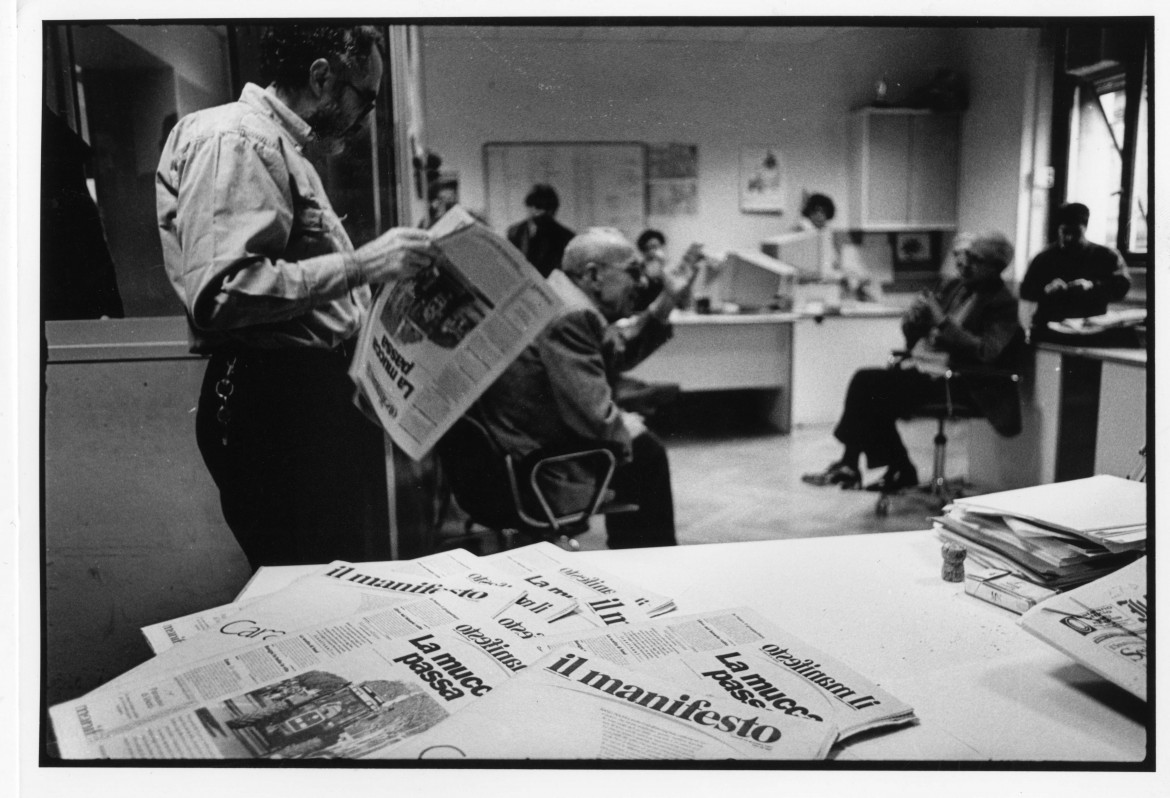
[(435, 340), (576, 706), (604, 599), (389, 660), (739, 653), (1101, 625), (348, 688)]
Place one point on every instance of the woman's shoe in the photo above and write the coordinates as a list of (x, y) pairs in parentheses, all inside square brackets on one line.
[(836, 474), (895, 479)]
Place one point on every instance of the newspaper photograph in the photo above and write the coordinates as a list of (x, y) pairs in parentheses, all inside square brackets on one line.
[(577, 706), (1101, 625), (434, 341), (738, 653), (344, 689)]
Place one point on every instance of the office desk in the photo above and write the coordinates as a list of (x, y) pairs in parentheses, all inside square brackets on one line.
[(1084, 414), (982, 687), (827, 350), (1101, 408), (803, 362), (714, 352)]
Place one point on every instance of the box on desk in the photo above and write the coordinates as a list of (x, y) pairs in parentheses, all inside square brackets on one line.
[(1005, 589)]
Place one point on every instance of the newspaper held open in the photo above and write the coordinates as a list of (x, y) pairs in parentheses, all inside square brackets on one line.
[(435, 340)]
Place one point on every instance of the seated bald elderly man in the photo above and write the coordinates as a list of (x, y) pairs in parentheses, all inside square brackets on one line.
[(557, 392)]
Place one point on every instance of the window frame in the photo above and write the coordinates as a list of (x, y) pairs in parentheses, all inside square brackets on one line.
[(1135, 69)]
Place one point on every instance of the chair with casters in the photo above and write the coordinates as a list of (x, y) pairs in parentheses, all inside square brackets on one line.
[(504, 496), (940, 488)]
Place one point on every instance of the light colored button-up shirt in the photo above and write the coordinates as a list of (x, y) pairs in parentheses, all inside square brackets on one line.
[(251, 243)]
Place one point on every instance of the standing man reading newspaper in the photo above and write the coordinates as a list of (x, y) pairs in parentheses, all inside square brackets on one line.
[(274, 293), (557, 392)]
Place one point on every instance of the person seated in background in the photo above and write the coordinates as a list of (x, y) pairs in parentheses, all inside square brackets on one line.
[(541, 237), (557, 392), (970, 321), (1073, 277), (652, 245), (442, 196), (633, 338)]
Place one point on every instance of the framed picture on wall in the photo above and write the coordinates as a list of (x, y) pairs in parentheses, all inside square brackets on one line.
[(915, 258), (915, 251), (762, 180)]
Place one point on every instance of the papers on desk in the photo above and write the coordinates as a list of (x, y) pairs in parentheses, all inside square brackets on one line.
[(558, 659), (1091, 325), (1101, 625), (1103, 509), (1053, 536)]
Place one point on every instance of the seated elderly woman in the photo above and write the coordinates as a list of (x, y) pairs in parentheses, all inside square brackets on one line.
[(970, 321)]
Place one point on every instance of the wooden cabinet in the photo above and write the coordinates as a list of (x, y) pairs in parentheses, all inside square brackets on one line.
[(904, 172)]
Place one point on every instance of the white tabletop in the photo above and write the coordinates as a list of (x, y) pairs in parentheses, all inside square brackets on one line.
[(982, 687)]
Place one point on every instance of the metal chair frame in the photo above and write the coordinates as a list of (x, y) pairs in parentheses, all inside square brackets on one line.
[(942, 489), (525, 472)]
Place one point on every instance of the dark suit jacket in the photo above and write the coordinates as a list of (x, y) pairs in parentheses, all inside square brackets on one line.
[(542, 241), (982, 332), (557, 394)]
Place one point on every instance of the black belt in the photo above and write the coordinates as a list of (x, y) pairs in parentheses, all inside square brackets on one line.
[(287, 354)]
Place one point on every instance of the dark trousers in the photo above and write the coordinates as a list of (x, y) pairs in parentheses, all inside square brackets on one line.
[(874, 402), (644, 481), (301, 472)]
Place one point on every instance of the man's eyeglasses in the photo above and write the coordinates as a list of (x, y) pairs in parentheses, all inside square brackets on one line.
[(368, 98), (635, 270)]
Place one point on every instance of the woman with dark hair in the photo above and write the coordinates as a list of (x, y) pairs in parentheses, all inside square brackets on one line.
[(817, 212)]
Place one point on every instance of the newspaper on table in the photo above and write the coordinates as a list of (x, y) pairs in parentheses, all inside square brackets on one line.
[(526, 609), (286, 606), (435, 340), (571, 705), (317, 599), (537, 602), (1101, 625), (740, 654), (269, 578), (348, 688), (603, 599)]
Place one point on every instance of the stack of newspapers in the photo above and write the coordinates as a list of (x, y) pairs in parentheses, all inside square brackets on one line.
[(1027, 544), (527, 654)]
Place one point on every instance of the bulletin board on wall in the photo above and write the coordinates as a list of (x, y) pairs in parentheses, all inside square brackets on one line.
[(600, 183)]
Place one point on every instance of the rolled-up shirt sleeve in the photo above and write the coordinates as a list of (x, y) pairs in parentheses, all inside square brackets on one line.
[(233, 219)]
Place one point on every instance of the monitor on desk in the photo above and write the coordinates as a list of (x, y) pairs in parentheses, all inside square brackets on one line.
[(810, 252), (754, 281)]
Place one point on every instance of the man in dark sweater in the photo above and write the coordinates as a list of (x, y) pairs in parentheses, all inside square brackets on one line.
[(541, 237), (1073, 278)]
